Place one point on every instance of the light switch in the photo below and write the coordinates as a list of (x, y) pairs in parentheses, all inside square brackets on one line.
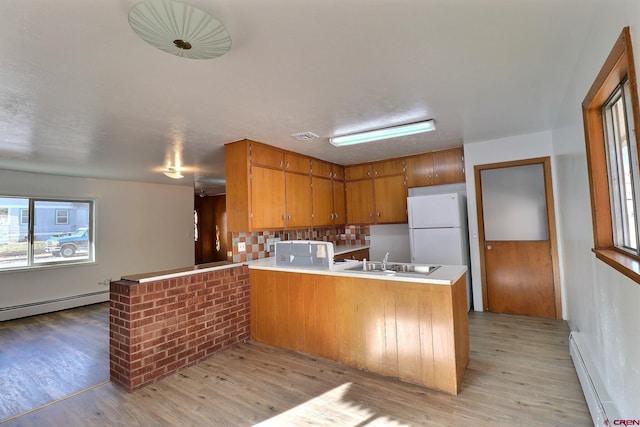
[(242, 247)]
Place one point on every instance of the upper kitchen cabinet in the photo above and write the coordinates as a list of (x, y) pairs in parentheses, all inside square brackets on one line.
[(355, 172), (436, 167), (376, 192), (390, 202), (359, 200), (328, 193), (261, 192), (321, 169), (297, 163), (298, 200), (264, 155), (389, 167)]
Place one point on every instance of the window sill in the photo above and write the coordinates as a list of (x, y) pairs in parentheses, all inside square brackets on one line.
[(624, 263)]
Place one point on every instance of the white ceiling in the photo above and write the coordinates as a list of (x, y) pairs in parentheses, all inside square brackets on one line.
[(82, 95)]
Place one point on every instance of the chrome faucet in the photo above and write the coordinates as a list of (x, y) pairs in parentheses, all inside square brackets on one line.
[(385, 260)]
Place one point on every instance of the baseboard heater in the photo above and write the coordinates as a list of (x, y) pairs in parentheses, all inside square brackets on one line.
[(602, 409), (41, 307)]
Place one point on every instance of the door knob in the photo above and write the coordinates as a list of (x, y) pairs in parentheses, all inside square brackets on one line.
[(489, 247)]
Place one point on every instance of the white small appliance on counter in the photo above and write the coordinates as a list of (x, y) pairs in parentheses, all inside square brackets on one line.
[(309, 254), (438, 231)]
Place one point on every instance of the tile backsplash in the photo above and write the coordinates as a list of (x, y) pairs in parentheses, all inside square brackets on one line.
[(260, 243)]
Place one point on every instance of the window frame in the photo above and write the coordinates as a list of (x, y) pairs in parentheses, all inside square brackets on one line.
[(618, 66), (66, 217), (31, 237)]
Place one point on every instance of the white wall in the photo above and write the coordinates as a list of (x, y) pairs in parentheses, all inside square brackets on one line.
[(139, 228), (495, 151), (392, 238), (600, 303)]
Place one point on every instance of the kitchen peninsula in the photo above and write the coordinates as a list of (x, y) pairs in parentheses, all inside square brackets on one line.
[(413, 327), (410, 327)]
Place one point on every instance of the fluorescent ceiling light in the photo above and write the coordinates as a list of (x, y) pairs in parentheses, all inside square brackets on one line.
[(376, 135)]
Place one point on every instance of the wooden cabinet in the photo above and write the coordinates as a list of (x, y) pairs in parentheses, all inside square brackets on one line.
[(321, 169), (323, 203), (339, 203), (267, 198), (359, 201), (379, 194), (355, 172), (297, 163), (328, 193), (416, 332), (359, 255), (389, 167), (390, 199), (263, 155), (298, 200), (267, 188), (436, 168)]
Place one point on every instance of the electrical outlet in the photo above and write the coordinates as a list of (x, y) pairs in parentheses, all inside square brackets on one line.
[(242, 247)]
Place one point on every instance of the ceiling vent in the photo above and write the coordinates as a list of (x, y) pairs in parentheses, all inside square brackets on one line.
[(305, 136)]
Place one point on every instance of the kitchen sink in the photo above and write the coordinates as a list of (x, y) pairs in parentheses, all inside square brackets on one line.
[(394, 268)]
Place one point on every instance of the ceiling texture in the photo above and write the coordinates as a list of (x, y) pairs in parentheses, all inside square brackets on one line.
[(82, 95)]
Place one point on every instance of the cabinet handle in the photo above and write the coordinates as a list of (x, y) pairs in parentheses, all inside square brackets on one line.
[(280, 163), (284, 217), (430, 176), (375, 173), (289, 217), (368, 173), (436, 175), (287, 165), (378, 214), (331, 216)]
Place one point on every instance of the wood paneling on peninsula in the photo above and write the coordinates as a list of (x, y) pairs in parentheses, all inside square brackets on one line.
[(416, 332)]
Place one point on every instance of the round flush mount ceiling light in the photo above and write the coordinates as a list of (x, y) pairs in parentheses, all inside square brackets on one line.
[(179, 29)]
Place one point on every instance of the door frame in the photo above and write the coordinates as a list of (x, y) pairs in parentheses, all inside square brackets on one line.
[(551, 221)]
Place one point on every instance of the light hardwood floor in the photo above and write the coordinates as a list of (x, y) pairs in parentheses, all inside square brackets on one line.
[(47, 357), (520, 374)]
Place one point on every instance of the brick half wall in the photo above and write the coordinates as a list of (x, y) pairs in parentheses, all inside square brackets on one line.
[(159, 327)]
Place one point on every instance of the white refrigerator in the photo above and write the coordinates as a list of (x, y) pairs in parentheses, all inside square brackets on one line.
[(438, 232)]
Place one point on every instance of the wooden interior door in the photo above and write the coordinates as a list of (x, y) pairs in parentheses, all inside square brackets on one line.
[(517, 238)]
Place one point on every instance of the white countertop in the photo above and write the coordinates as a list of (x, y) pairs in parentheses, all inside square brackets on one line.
[(445, 275)]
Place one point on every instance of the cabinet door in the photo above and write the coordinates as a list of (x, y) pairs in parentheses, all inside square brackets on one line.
[(356, 172), (298, 200), (297, 163), (321, 169), (359, 199), (420, 170), (264, 155), (448, 166), (389, 167), (267, 198), (390, 199), (337, 172), (339, 208), (322, 201)]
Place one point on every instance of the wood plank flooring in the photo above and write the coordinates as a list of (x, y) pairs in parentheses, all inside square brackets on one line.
[(47, 357), (520, 374)]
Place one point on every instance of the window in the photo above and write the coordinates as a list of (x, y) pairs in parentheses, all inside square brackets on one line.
[(40, 232), (62, 216), (610, 113), (24, 216)]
